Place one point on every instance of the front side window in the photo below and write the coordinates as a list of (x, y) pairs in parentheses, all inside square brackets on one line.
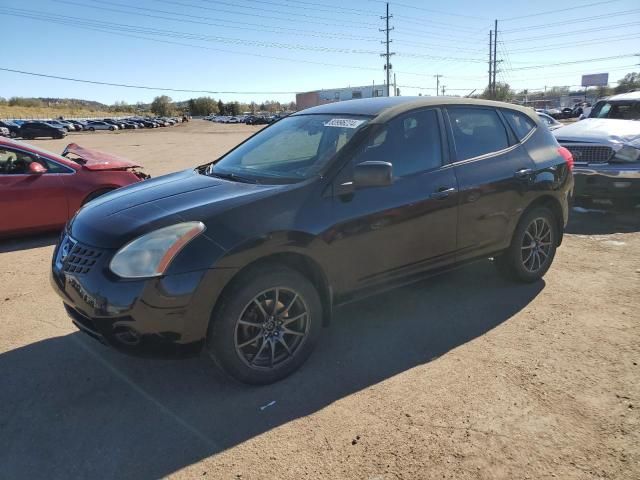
[(477, 131), (15, 162), (294, 148), (519, 122), (411, 143)]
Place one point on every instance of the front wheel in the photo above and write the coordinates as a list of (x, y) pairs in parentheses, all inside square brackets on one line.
[(266, 327), (112, 128), (91, 129), (532, 248)]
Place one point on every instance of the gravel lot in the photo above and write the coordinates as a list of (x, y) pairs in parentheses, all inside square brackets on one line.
[(463, 376)]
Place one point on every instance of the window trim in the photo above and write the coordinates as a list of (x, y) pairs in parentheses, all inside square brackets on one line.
[(528, 135), (507, 130), (15, 149)]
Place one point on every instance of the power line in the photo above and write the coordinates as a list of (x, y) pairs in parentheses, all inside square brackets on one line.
[(559, 10), (576, 61), (595, 41), (582, 19), (200, 18), (437, 12), (143, 87), (79, 22), (573, 32)]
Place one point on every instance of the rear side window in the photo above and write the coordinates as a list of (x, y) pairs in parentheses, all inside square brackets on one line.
[(477, 131), (519, 122)]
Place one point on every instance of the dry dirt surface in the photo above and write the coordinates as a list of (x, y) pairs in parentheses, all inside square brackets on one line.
[(463, 376)]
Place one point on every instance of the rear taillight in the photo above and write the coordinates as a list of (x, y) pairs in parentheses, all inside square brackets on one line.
[(568, 157)]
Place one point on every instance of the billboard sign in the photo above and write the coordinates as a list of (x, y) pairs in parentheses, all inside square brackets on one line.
[(595, 80)]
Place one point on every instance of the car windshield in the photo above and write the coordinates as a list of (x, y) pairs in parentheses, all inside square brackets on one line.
[(293, 149), (625, 110)]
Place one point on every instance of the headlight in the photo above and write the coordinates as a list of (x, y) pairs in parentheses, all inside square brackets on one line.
[(627, 154), (151, 254)]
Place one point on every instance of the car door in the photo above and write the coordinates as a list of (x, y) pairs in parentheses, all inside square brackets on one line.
[(30, 201), (385, 233), (492, 178)]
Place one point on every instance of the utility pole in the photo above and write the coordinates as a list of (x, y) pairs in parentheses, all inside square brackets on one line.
[(443, 87), (495, 48), (437, 77), (388, 54), (490, 87)]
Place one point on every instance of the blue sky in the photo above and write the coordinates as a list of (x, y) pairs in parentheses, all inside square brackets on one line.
[(268, 46)]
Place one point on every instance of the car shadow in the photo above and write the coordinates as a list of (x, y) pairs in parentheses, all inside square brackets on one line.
[(603, 221), (26, 243), (72, 406)]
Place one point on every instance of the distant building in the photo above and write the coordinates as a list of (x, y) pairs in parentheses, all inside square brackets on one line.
[(320, 97)]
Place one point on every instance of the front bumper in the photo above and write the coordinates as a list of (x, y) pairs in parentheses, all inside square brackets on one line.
[(607, 180), (164, 316)]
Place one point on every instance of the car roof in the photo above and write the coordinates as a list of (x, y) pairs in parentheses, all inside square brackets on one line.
[(385, 108), (626, 96)]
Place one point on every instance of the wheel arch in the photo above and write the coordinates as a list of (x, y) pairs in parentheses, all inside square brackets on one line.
[(553, 204), (303, 264)]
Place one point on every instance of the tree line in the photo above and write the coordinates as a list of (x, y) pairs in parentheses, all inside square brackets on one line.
[(504, 93), (202, 106)]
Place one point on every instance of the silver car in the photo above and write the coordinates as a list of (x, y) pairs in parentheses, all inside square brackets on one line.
[(98, 125), (606, 154)]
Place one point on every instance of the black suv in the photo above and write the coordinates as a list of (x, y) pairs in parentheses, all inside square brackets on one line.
[(247, 256), (29, 130)]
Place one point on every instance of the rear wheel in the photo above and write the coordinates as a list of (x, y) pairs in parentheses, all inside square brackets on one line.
[(532, 248), (112, 128), (266, 327), (91, 129)]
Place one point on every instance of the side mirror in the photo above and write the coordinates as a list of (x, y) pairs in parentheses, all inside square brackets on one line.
[(36, 169), (373, 174)]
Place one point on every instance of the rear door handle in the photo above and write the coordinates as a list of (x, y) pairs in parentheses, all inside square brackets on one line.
[(524, 173), (443, 192)]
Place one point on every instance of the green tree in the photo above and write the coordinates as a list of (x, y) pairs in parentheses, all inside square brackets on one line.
[(503, 92), (221, 107), (233, 108), (630, 82), (162, 106)]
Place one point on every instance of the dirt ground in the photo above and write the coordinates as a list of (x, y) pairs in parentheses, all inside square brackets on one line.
[(464, 376)]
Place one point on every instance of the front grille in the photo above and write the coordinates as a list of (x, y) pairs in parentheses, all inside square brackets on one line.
[(80, 259), (590, 153)]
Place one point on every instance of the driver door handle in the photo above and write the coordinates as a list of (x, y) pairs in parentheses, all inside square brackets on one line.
[(443, 192)]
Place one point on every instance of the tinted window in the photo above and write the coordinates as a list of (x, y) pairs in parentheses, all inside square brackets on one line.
[(477, 131), (519, 122), (410, 142), (624, 110)]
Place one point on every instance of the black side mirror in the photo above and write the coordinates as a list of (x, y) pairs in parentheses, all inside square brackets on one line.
[(373, 174)]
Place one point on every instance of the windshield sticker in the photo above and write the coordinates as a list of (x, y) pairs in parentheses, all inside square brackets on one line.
[(343, 123)]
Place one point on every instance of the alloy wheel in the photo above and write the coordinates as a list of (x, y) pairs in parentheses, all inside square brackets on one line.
[(271, 328), (536, 244)]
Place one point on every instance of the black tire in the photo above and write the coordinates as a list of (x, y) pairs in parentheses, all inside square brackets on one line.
[(515, 262), (225, 330), (91, 129), (96, 194), (112, 128)]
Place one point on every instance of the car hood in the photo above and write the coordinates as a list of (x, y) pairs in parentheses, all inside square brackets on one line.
[(95, 160), (601, 130), (113, 219)]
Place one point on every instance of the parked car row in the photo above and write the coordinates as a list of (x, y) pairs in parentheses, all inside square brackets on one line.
[(29, 129), (246, 119), (567, 112)]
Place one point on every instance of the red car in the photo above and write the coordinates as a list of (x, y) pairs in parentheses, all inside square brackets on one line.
[(40, 190)]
